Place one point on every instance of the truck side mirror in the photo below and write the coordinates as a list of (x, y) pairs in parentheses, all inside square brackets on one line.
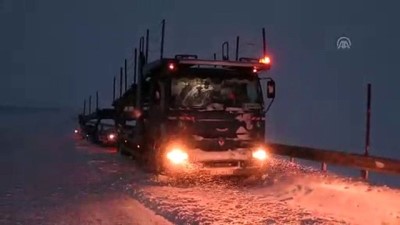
[(271, 89)]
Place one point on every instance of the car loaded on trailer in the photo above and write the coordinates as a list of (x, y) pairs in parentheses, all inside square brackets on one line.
[(98, 126)]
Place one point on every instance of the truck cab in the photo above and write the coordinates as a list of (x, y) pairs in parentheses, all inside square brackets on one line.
[(200, 116)]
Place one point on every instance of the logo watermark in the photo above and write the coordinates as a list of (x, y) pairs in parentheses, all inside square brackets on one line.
[(343, 43)]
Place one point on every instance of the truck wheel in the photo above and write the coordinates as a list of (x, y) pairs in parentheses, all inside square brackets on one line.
[(151, 161), (158, 162), (121, 149)]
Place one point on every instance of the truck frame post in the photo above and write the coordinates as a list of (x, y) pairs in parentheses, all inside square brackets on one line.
[(162, 39), (126, 74), (225, 49), (147, 45), (264, 42), (114, 81), (90, 104), (141, 44), (140, 80), (364, 173), (237, 48), (120, 81), (97, 100), (84, 107), (135, 67)]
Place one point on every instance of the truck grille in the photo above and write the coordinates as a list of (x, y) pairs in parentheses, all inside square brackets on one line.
[(221, 164), (220, 144)]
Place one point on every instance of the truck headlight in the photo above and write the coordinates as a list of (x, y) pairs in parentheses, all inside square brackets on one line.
[(260, 154), (177, 156), (111, 137)]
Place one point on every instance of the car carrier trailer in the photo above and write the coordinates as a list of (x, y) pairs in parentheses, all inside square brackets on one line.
[(186, 115)]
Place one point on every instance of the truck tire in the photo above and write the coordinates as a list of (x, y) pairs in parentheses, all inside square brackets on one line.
[(158, 162), (151, 159), (121, 149)]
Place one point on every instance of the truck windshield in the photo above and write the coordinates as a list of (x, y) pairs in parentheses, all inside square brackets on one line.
[(107, 123), (200, 92)]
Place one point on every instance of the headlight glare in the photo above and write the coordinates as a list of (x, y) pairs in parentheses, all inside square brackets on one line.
[(111, 136), (177, 156), (260, 154)]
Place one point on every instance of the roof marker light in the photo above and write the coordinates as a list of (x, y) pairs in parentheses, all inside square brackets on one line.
[(265, 60)]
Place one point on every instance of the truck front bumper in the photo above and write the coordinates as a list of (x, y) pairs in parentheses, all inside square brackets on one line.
[(215, 171), (227, 163)]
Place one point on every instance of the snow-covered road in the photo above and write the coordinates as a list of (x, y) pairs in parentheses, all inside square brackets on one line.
[(298, 197), (48, 177)]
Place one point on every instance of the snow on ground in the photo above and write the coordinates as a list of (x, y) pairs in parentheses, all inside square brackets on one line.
[(296, 197), (48, 177), (328, 195), (113, 209)]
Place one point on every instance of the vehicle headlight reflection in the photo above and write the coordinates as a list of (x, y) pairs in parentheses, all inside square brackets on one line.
[(260, 154), (177, 156)]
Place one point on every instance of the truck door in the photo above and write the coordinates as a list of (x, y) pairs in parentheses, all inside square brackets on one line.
[(155, 112)]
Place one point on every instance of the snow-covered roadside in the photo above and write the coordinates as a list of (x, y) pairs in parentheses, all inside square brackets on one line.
[(297, 196), (356, 203)]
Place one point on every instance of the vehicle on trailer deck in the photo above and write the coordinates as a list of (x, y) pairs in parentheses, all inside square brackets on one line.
[(87, 126), (106, 133), (125, 120), (99, 127)]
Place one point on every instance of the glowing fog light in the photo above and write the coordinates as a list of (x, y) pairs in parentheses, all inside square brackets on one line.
[(177, 156), (260, 154)]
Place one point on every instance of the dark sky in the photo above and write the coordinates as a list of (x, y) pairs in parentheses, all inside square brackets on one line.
[(55, 53)]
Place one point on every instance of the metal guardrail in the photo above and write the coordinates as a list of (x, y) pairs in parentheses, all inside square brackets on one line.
[(365, 161), (370, 163)]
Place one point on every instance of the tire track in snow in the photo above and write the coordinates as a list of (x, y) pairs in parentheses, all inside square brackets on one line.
[(224, 203)]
